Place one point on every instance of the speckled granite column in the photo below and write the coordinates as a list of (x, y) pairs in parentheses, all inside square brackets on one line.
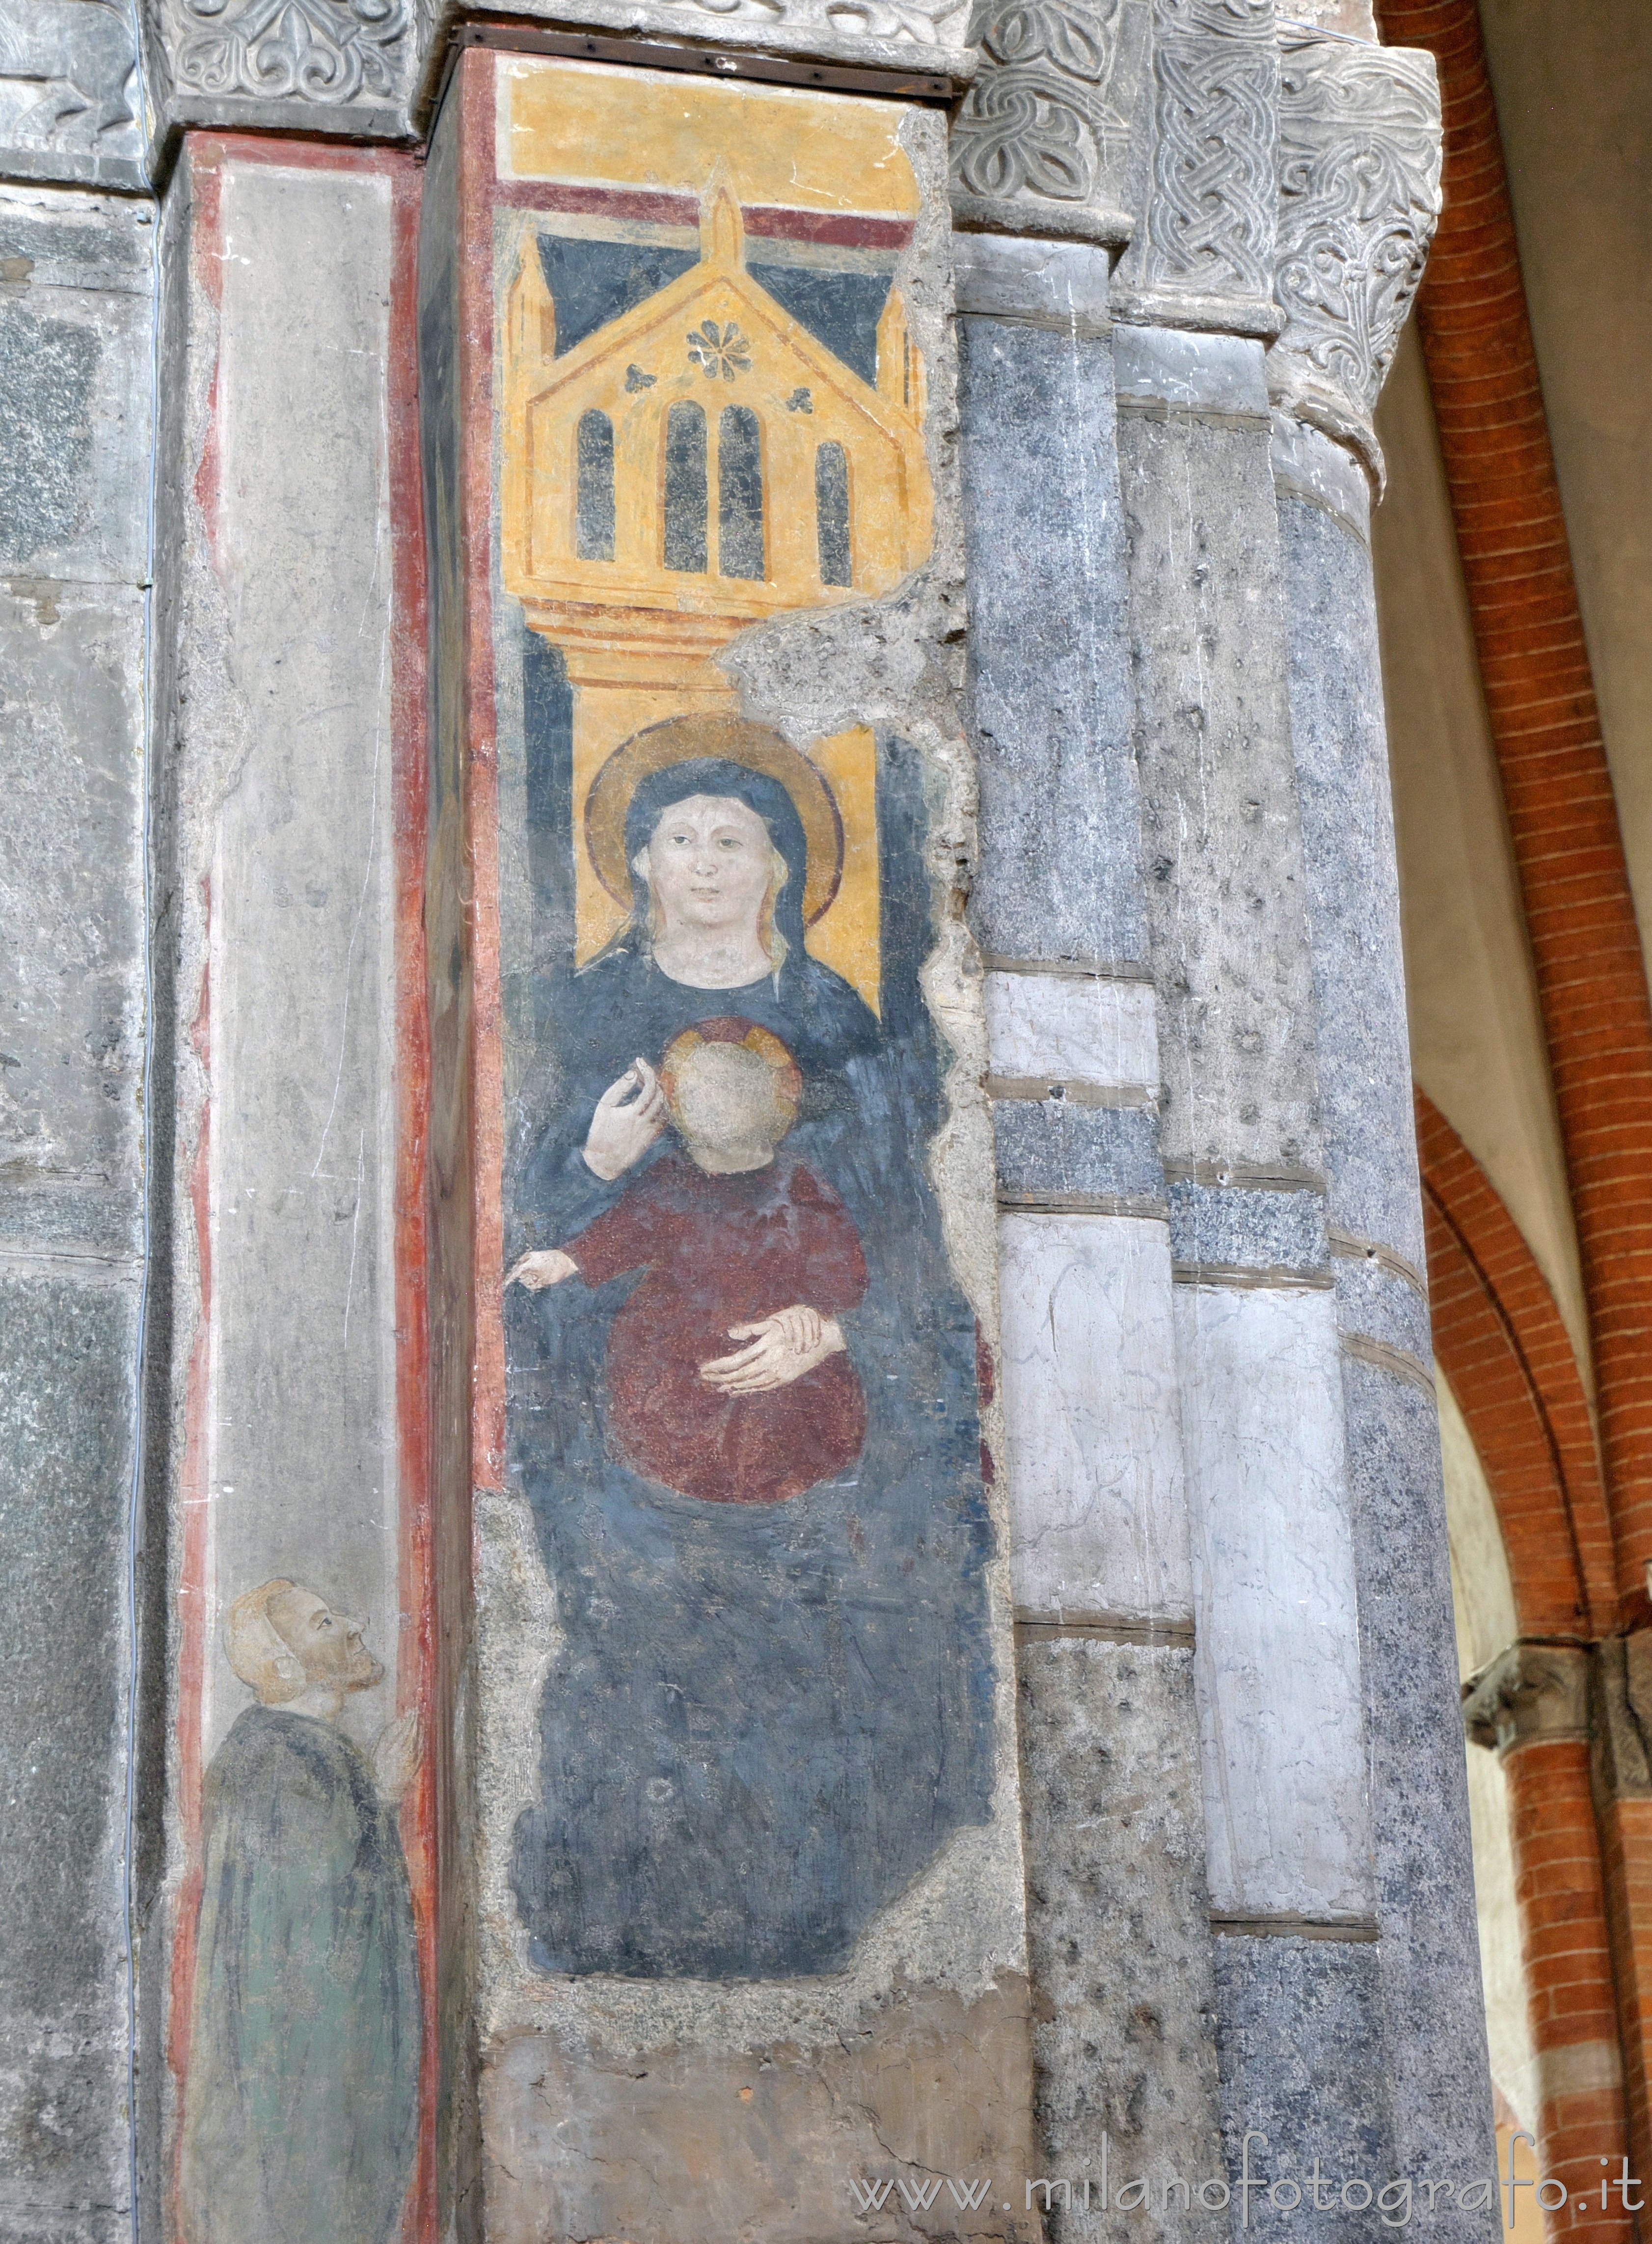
[(1117, 1908), (76, 303), (1278, 1662), (1428, 1957)]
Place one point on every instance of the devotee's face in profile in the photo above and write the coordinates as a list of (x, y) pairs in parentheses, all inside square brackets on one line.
[(724, 1101), (328, 1645), (709, 863)]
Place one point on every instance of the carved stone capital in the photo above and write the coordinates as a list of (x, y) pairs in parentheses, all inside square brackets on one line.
[(1623, 1757), (1204, 254), (370, 69), (69, 92), (323, 65), (333, 51), (1359, 163), (910, 36), (1531, 1694), (1040, 144)]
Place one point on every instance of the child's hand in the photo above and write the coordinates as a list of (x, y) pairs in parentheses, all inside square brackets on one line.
[(538, 1271), (783, 1347)]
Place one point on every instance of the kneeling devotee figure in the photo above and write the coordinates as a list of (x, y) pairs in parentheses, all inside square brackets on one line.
[(737, 1244), (302, 2097)]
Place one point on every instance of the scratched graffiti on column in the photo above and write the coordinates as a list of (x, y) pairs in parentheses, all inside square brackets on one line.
[(742, 1375)]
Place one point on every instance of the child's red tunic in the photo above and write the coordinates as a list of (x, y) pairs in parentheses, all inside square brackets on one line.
[(722, 1251)]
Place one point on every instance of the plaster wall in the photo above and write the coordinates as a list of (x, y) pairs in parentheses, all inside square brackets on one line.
[(300, 889), (1476, 1036), (751, 2088), (281, 673), (1484, 1603)]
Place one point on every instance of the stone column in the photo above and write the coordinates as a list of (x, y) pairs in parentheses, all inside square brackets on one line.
[(287, 1444), (77, 280), (1117, 1906), (1117, 1930), (1287, 1818), (1347, 269), (1274, 923), (1531, 1704)]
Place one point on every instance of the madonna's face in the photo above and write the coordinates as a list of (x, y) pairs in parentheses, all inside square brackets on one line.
[(708, 864)]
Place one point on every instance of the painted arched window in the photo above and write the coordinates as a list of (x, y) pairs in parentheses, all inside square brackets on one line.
[(594, 488), (832, 514), (685, 486), (739, 493)]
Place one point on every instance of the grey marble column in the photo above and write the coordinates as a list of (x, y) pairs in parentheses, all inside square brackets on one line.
[(1292, 1895), (1104, 1590), (1342, 103), (76, 297), (1343, 1910)]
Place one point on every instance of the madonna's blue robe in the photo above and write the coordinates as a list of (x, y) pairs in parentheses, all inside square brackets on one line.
[(763, 1721)]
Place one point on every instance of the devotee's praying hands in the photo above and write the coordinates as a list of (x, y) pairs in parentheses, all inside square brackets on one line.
[(624, 1126), (395, 1758), (782, 1349)]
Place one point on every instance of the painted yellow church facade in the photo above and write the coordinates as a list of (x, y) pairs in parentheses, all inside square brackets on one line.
[(701, 463)]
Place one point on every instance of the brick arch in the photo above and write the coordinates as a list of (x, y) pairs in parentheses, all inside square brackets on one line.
[(1539, 698), (1501, 1342)]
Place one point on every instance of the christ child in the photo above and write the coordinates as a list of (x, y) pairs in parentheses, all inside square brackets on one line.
[(739, 1242)]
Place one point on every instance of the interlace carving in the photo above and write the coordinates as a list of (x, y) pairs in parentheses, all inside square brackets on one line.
[(1359, 164), (852, 19), (1210, 217), (328, 51), (1039, 121)]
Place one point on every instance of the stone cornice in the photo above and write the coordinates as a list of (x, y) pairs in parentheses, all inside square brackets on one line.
[(369, 70), (1254, 174)]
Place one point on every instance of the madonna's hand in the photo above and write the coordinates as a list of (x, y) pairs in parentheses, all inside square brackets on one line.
[(629, 1116), (783, 1347), (537, 1271)]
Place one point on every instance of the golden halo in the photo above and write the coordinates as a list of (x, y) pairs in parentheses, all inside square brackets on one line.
[(685, 740)]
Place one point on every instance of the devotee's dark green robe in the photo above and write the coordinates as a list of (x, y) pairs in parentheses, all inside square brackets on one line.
[(301, 2099)]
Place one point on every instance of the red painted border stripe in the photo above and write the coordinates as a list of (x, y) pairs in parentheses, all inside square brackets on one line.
[(651, 206)]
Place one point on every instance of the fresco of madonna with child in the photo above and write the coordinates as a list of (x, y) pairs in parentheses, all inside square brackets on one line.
[(742, 1377)]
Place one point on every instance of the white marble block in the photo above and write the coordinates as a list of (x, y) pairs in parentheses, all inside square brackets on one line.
[(1277, 1656), (1099, 1523), (1070, 1028)]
